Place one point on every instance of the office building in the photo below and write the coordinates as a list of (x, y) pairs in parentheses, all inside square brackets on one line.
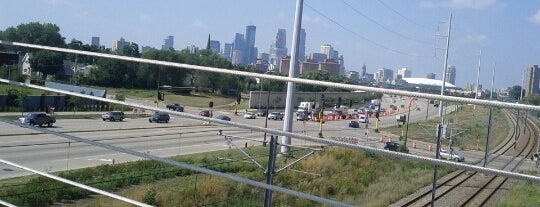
[(119, 44), (238, 50), (95, 41), (531, 82), (318, 57), (302, 46), (308, 66), (215, 46), (278, 49), (250, 50), (168, 43), (384, 75), (404, 72), (451, 74), (227, 51)]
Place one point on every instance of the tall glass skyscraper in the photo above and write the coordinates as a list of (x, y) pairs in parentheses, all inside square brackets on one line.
[(302, 46), (250, 52)]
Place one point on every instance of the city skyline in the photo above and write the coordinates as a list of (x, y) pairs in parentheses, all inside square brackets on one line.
[(380, 34)]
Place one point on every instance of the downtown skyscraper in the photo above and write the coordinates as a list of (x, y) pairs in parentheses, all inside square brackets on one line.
[(168, 43), (278, 49), (250, 50), (532, 80)]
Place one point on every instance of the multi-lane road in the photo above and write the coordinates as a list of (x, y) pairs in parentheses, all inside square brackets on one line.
[(47, 152)]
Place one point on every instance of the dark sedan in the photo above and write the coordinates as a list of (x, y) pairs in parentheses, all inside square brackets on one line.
[(223, 117)]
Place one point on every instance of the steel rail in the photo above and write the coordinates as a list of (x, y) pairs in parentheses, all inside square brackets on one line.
[(280, 78)]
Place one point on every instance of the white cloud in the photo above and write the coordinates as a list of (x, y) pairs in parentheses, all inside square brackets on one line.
[(199, 24), (459, 4), (474, 38), (535, 18)]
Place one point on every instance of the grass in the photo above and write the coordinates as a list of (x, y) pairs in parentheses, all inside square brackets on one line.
[(469, 124), (194, 99), (521, 193), (345, 175)]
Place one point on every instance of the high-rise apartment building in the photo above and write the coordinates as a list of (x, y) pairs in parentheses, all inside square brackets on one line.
[(451, 74), (95, 41), (278, 49), (168, 43), (532, 80)]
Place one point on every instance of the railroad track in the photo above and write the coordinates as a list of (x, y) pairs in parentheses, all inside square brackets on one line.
[(462, 188)]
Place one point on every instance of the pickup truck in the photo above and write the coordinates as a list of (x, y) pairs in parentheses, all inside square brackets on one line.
[(38, 118)]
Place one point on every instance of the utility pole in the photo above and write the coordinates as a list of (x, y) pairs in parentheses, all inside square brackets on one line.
[(486, 153), (477, 78), (287, 125), (438, 145), (270, 170)]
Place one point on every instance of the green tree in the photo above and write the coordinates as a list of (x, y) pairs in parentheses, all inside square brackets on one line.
[(47, 62), (514, 92), (35, 33), (532, 100)]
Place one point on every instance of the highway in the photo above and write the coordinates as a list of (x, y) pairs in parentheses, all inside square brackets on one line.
[(180, 136)]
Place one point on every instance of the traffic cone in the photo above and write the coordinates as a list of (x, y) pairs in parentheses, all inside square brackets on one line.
[(430, 147)]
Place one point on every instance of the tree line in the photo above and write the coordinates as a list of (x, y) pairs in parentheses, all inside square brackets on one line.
[(117, 73)]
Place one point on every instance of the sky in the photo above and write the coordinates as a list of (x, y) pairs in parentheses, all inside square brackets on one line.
[(378, 33)]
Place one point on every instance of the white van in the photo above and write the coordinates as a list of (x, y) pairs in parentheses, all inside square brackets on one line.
[(362, 118)]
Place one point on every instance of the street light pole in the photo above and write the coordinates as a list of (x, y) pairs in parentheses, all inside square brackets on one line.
[(439, 126), (287, 125)]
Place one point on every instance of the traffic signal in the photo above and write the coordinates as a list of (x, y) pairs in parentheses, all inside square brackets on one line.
[(161, 96), (211, 104), (238, 98)]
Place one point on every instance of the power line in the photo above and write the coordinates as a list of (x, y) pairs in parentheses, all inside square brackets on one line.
[(362, 37), (404, 17), (386, 28)]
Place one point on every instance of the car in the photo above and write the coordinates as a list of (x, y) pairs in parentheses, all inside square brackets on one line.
[(37, 118), (262, 112), (362, 118), (223, 117), (205, 113), (159, 117), (451, 155), (175, 107), (249, 115), (354, 124), (113, 116), (395, 146), (301, 116), (275, 116)]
